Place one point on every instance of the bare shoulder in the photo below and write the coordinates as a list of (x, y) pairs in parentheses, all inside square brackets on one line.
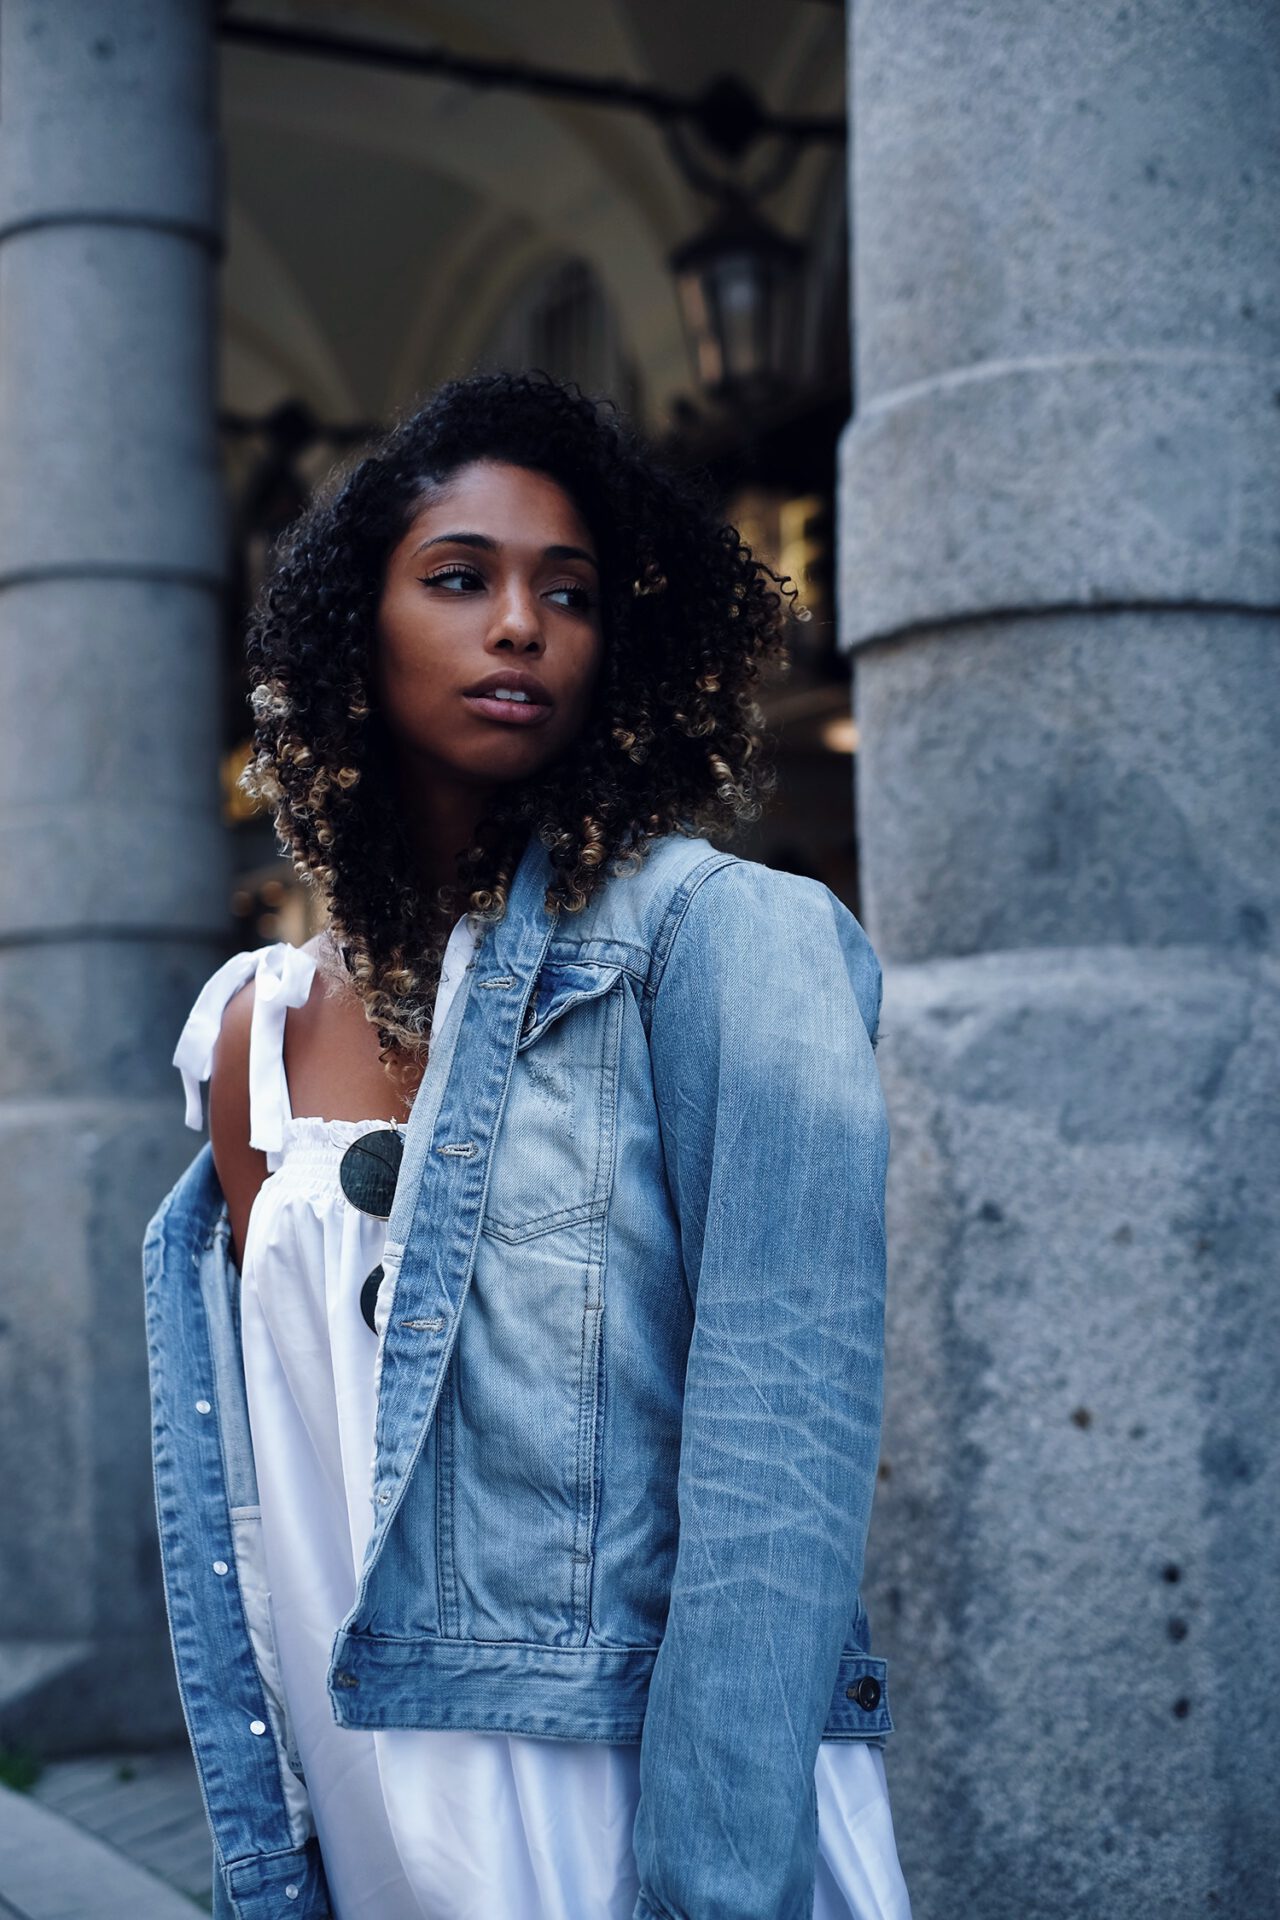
[(240, 1168), (231, 1050), (229, 1076)]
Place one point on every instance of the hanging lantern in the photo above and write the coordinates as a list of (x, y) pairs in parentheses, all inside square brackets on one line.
[(738, 283)]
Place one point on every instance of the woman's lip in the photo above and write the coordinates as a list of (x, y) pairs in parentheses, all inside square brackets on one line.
[(513, 713)]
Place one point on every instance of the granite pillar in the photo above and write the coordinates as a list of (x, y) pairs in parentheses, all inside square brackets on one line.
[(113, 878), (1060, 581)]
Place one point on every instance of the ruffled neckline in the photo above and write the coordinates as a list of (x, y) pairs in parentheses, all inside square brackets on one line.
[(309, 1129)]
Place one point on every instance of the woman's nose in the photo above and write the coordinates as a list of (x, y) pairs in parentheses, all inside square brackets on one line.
[(518, 615)]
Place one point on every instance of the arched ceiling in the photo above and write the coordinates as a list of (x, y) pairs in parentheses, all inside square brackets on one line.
[(377, 218)]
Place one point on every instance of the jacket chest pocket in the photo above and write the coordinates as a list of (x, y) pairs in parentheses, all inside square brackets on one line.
[(553, 1158)]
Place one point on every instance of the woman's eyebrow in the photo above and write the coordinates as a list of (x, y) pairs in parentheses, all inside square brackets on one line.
[(491, 546)]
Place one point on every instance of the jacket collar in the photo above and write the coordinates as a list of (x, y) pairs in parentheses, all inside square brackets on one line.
[(525, 928)]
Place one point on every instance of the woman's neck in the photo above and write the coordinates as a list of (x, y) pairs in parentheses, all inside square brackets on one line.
[(440, 821)]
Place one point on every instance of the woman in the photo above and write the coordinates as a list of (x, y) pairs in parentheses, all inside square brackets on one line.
[(542, 1235)]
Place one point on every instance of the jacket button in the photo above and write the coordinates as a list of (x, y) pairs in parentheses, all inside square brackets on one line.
[(530, 1018), (866, 1692)]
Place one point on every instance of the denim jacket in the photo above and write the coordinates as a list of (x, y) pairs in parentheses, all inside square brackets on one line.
[(638, 1235)]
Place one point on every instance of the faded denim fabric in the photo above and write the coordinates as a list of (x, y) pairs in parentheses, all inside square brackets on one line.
[(629, 1389)]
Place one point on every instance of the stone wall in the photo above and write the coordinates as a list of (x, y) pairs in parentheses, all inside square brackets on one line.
[(113, 903), (1060, 582)]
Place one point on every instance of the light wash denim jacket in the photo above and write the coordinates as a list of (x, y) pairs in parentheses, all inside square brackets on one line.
[(639, 1234)]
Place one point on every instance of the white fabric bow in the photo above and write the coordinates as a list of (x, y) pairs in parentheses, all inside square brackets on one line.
[(282, 979)]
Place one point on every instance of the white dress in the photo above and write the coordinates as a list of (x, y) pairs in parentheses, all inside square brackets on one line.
[(421, 1824)]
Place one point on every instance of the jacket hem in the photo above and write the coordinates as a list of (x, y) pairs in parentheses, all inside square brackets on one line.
[(266, 1885), (572, 1693), (565, 1693)]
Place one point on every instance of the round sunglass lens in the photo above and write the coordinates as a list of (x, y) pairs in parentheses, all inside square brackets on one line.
[(369, 1298), (369, 1169)]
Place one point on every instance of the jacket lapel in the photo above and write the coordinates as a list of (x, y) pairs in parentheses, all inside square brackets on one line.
[(433, 1232)]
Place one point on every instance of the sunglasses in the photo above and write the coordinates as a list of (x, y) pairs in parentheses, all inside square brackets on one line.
[(368, 1172)]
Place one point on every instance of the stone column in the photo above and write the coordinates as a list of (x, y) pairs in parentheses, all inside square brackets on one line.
[(112, 883), (1061, 578)]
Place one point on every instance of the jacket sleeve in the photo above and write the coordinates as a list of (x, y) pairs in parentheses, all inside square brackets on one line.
[(776, 1141)]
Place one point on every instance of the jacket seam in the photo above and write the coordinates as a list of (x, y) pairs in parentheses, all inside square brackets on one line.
[(446, 1501), (470, 1640), (651, 1908), (673, 919), (590, 1396)]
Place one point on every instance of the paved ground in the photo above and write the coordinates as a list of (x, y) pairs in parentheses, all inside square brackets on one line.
[(108, 1837)]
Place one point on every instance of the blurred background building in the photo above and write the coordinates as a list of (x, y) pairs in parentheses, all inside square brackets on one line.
[(1023, 468), (599, 194)]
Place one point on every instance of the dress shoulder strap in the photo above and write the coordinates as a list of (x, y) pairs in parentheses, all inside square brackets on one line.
[(282, 976)]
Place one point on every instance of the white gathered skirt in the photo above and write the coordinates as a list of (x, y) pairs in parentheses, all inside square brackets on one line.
[(431, 1824)]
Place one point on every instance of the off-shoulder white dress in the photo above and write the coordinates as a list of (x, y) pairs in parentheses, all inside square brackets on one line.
[(436, 1824)]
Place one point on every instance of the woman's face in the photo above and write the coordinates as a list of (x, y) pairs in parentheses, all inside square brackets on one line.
[(495, 583)]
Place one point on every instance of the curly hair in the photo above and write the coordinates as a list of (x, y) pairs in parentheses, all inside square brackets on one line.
[(673, 739)]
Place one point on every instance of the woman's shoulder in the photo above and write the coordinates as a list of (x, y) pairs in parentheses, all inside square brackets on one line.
[(234, 982), (738, 897), (223, 1018), (685, 888), (644, 885), (782, 939)]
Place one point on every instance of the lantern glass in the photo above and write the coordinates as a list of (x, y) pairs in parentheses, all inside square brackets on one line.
[(738, 286), (745, 297)]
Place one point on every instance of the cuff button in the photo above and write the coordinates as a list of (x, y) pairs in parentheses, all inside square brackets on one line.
[(866, 1692)]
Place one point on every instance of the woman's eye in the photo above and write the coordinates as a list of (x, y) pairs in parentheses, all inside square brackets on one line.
[(449, 573), (582, 604), (584, 600)]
